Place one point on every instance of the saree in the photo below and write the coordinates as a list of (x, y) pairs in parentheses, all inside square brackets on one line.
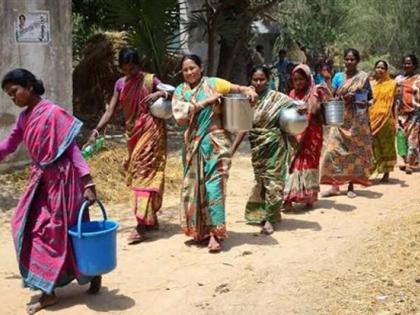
[(382, 123), (348, 156), (409, 114), (303, 183), (146, 149), (270, 149), (51, 202), (206, 160)]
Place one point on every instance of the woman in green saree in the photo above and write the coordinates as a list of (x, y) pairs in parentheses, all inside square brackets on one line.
[(271, 150), (207, 151)]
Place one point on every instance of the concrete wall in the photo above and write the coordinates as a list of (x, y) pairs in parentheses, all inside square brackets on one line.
[(51, 62)]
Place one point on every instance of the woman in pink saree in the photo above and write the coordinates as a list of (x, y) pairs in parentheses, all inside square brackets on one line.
[(59, 182), (146, 140)]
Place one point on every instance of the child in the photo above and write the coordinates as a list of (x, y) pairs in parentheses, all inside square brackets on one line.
[(59, 182)]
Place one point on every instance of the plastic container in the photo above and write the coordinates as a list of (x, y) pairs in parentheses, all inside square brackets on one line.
[(94, 243), (401, 143), (90, 150)]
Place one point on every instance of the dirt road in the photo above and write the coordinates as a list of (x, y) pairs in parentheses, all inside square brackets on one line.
[(304, 268)]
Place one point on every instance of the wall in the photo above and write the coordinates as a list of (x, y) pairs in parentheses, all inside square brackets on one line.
[(51, 62)]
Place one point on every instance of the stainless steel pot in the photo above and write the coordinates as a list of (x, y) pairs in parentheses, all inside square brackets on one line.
[(291, 121), (237, 113), (161, 108), (333, 113)]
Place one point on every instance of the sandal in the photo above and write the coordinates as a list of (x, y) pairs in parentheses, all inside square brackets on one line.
[(351, 194), (408, 170), (267, 229)]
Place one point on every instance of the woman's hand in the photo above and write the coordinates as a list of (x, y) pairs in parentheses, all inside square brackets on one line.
[(152, 97), (90, 194), (251, 94), (349, 97), (92, 138), (302, 109)]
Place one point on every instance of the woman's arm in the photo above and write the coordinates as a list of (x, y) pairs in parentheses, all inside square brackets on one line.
[(75, 156), (11, 143), (106, 117)]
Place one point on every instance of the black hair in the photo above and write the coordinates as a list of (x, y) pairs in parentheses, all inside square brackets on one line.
[(193, 57), (259, 47), (282, 51), (22, 16), (128, 55), (263, 69), (354, 52), (23, 78), (413, 58), (384, 62)]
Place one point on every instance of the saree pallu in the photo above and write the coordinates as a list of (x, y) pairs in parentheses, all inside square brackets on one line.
[(146, 147), (51, 202), (271, 151), (206, 161), (348, 156), (382, 122), (303, 182)]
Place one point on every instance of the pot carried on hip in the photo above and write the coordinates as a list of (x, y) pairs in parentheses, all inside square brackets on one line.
[(237, 113), (291, 121)]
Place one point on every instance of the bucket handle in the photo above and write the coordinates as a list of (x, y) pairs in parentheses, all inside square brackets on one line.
[(85, 206)]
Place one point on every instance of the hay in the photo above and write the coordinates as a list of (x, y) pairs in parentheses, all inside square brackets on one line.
[(386, 278), (109, 176)]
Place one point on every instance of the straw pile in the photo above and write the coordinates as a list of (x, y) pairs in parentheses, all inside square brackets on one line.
[(386, 278), (109, 176)]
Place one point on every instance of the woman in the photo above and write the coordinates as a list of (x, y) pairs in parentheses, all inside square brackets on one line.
[(59, 182), (348, 157), (382, 120), (206, 158), (270, 150), (409, 110), (303, 183), (146, 142)]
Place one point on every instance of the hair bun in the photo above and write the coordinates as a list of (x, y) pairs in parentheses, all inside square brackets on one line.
[(38, 87)]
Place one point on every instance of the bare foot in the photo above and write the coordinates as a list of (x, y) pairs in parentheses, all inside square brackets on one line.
[(385, 178), (214, 245), (267, 229), (408, 170), (44, 301), (334, 191), (288, 206), (137, 236), (95, 285)]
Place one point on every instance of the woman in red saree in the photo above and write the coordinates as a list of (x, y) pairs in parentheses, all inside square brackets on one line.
[(303, 183), (59, 182), (146, 141)]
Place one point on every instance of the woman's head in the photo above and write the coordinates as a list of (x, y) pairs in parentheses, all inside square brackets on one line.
[(22, 86), (191, 68), (301, 78), (259, 78), (129, 61), (351, 58), (410, 63), (381, 68)]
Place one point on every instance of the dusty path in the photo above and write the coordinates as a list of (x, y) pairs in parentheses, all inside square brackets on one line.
[(286, 273)]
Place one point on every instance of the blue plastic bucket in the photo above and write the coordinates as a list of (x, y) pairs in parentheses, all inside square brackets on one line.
[(94, 243)]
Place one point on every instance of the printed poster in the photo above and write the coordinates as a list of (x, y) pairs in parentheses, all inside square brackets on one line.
[(33, 27)]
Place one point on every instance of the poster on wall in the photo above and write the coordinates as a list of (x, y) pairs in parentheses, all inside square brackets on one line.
[(33, 27)]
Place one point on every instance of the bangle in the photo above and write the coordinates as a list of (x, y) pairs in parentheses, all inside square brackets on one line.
[(96, 132), (166, 95), (89, 186)]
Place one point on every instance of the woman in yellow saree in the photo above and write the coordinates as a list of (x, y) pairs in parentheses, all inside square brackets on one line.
[(383, 120)]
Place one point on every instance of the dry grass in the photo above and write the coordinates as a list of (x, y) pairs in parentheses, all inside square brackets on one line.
[(386, 276)]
